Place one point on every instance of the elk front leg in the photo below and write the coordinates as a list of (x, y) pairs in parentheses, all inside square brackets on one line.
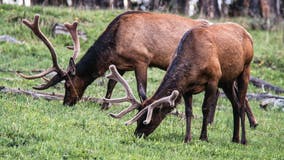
[(208, 103), (110, 86), (188, 114), (141, 78), (213, 109)]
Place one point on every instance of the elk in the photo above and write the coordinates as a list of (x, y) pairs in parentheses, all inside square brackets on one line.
[(134, 40), (207, 57)]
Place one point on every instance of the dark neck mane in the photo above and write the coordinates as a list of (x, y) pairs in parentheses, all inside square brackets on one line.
[(174, 78)]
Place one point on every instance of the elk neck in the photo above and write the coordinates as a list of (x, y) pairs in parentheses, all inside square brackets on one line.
[(170, 83), (96, 60), (100, 55)]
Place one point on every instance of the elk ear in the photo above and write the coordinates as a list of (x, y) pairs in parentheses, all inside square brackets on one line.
[(72, 68)]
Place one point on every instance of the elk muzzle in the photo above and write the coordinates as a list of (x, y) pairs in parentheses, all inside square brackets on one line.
[(159, 114)]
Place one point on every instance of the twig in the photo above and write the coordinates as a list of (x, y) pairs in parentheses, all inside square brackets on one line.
[(19, 71), (46, 96)]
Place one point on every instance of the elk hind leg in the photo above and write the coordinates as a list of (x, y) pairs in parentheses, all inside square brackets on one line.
[(231, 95), (243, 81), (252, 121)]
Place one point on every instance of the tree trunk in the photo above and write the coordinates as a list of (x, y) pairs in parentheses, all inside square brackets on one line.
[(181, 5), (254, 8), (209, 9)]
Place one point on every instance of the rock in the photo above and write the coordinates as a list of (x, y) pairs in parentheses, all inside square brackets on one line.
[(10, 39)]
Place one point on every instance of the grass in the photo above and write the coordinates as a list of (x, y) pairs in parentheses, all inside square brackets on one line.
[(39, 129)]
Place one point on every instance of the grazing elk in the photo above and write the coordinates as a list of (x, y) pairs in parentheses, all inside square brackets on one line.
[(132, 41), (207, 57)]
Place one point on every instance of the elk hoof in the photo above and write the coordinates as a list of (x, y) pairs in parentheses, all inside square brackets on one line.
[(105, 106), (187, 139), (244, 142), (235, 140), (253, 125), (204, 138)]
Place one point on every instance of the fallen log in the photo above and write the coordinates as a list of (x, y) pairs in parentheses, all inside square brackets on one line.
[(61, 29), (43, 95), (266, 100), (9, 39), (19, 71), (261, 96), (263, 84)]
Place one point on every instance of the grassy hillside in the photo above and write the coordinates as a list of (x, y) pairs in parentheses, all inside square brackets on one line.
[(39, 129)]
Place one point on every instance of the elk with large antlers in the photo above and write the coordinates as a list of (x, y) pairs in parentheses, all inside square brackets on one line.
[(61, 74), (132, 41), (207, 57)]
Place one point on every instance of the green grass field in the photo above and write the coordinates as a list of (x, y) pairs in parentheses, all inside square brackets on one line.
[(40, 129)]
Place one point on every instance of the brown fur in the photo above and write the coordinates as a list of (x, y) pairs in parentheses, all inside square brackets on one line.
[(207, 58)]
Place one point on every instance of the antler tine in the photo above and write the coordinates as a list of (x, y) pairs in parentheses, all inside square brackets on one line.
[(72, 28), (37, 75), (129, 94), (170, 99), (34, 26), (125, 111), (117, 77)]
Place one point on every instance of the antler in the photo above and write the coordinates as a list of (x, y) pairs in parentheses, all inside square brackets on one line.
[(129, 94), (169, 99), (34, 26), (134, 103), (72, 28)]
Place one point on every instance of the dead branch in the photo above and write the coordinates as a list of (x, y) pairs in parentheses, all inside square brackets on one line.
[(263, 84), (19, 71), (61, 29), (258, 96), (43, 95), (10, 39)]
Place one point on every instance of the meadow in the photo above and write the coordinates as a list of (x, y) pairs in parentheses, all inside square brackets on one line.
[(39, 129)]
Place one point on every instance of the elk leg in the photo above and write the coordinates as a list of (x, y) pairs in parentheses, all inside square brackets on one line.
[(228, 89), (252, 121), (213, 109), (251, 118), (208, 103), (243, 82), (110, 86), (188, 114), (141, 78)]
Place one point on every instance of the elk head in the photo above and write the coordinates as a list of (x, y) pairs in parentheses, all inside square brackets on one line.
[(146, 123), (73, 85)]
